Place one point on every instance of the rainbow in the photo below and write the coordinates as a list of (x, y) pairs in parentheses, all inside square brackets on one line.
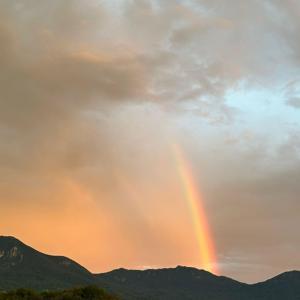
[(204, 238)]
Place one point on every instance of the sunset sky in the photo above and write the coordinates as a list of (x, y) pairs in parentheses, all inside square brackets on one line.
[(95, 95)]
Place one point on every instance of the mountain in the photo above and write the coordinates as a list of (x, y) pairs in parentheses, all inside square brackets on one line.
[(193, 284), (23, 266), (173, 283), (283, 286)]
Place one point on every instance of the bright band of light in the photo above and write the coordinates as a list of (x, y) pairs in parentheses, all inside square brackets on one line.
[(195, 203)]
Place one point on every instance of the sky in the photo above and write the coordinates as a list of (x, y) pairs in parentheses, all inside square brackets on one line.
[(93, 97)]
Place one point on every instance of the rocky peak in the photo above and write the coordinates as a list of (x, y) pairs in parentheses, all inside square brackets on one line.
[(10, 251)]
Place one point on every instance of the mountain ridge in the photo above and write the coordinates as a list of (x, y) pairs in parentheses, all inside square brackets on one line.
[(23, 266)]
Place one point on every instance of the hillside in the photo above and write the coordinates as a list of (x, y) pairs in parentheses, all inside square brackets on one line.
[(23, 266), (173, 283)]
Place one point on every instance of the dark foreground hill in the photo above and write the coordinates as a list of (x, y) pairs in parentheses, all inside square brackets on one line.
[(190, 283), (22, 266), (84, 293), (174, 283)]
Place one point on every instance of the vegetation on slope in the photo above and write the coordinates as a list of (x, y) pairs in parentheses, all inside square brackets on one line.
[(86, 293)]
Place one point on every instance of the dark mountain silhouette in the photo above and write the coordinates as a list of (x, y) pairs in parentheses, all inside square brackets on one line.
[(283, 286), (173, 283), (22, 266), (190, 283)]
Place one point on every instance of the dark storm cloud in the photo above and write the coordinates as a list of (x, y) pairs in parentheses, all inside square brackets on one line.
[(58, 63), (47, 81)]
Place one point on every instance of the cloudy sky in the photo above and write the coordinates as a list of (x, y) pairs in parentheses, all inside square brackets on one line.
[(93, 94)]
